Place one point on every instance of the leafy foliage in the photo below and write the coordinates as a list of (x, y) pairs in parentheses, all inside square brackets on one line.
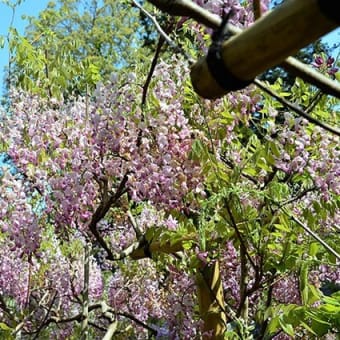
[(195, 211), (73, 45)]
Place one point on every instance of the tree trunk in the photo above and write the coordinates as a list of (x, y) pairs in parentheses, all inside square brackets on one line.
[(211, 300)]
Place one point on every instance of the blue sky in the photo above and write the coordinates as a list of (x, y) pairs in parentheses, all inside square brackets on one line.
[(33, 7), (27, 7)]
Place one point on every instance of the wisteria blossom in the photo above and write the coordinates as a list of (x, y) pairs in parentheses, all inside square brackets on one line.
[(141, 211)]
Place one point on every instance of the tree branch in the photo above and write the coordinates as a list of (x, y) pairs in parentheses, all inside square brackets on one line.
[(45, 317), (152, 69), (312, 233), (104, 206), (104, 310), (297, 197), (134, 224), (111, 330), (157, 25), (238, 233), (210, 300), (297, 109)]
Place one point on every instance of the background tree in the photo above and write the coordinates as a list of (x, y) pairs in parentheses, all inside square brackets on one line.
[(72, 45)]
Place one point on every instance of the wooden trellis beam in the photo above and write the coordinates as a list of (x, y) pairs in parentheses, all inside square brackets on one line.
[(297, 68), (271, 39)]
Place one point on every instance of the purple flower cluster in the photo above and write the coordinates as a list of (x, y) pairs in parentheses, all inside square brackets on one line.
[(286, 290), (325, 64), (231, 273)]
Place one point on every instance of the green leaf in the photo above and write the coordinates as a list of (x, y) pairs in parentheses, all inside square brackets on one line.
[(314, 294), (309, 329), (2, 41), (314, 248), (187, 245), (274, 325), (4, 327), (331, 309), (286, 327), (282, 227), (262, 163), (334, 299)]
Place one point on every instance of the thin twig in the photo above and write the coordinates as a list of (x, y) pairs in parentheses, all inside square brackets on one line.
[(314, 101), (268, 303), (104, 310), (238, 233), (152, 69), (164, 34), (157, 25), (138, 322), (312, 233), (297, 109), (22, 323), (230, 164), (45, 317), (85, 293), (242, 308), (297, 197)]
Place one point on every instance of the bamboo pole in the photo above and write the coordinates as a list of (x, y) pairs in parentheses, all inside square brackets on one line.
[(266, 43), (312, 76), (188, 8)]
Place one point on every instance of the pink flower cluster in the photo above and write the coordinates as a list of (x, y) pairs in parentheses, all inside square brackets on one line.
[(14, 276), (242, 14), (68, 152), (68, 158), (313, 154), (19, 213), (231, 271), (166, 298)]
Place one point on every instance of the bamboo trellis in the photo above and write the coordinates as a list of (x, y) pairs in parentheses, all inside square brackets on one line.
[(265, 44)]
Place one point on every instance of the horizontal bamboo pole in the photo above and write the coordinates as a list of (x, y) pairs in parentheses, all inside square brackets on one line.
[(312, 76), (188, 8), (271, 39)]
